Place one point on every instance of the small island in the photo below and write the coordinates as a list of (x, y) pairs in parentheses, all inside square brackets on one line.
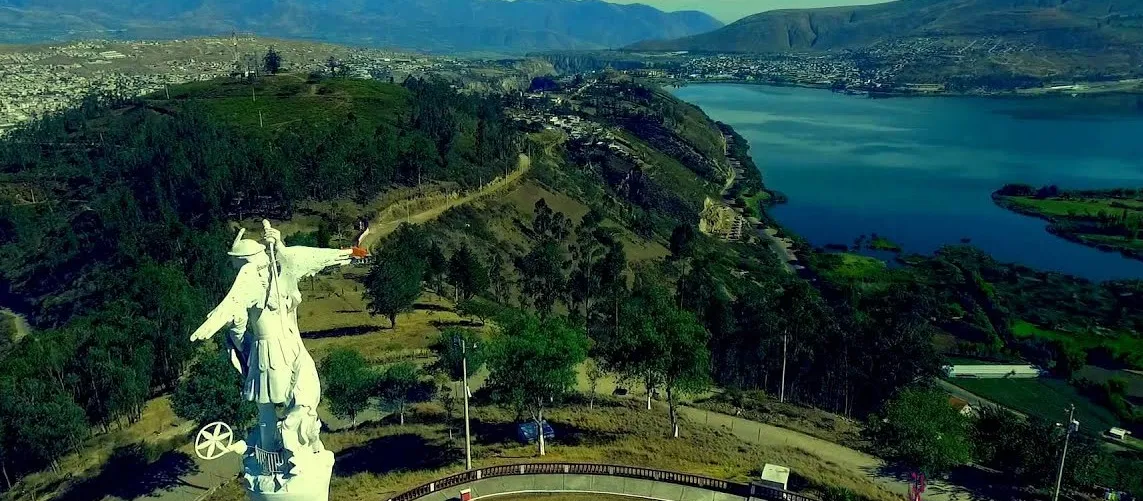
[(1108, 219), (880, 243)]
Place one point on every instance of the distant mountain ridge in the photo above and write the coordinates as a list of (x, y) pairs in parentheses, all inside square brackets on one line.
[(1054, 24), (432, 25)]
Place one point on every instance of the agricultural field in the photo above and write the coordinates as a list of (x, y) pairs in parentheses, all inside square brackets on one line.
[(1046, 398)]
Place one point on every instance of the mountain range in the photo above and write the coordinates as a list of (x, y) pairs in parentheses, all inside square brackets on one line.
[(430, 25), (1051, 24)]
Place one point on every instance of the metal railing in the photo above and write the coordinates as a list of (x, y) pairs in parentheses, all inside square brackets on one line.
[(751, 491), (271, 462)]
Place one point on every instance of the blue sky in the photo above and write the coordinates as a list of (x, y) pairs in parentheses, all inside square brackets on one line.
[(731, 10)]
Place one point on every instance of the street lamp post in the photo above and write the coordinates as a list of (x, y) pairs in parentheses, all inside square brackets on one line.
[(1072, 425), (467, 430)]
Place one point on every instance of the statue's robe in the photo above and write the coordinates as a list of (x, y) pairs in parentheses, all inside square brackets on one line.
[(264, 327)]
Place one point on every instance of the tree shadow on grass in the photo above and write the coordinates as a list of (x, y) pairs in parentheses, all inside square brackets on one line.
[(431, 307), (395, 452), (441, 324), (504, 434), (128, 474), (355, 330)]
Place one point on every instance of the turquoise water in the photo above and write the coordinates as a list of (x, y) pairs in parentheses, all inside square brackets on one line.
[(921, 170)]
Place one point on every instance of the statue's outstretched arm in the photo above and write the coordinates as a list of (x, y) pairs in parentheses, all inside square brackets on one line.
[(232, 310), (308, 261)]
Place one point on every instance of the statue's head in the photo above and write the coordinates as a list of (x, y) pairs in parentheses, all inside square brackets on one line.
[(248, 251)]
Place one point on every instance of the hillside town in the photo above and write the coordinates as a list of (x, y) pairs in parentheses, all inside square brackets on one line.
[(36, 80)]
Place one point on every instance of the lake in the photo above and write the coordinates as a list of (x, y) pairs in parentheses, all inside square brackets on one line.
[(921, 171)]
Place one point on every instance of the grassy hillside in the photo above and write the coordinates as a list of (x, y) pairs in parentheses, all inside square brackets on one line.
[(275, 102)]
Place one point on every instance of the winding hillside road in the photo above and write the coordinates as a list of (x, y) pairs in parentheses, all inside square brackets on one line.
[(378, 229)]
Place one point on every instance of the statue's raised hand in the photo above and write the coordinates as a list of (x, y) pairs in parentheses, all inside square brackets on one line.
[(272, 235)]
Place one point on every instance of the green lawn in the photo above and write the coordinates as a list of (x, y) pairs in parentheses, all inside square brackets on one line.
[(1042, 397)]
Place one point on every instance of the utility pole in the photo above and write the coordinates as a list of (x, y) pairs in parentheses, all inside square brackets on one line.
[(782, 390), (1072, 425), (467, 430)]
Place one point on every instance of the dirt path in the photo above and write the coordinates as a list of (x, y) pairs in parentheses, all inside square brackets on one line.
[(379, 229), (856, 461)]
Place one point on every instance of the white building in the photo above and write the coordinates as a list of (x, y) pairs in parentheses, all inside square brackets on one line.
[(993, 371)]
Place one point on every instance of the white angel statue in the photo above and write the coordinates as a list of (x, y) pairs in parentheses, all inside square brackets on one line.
[(260, 312)]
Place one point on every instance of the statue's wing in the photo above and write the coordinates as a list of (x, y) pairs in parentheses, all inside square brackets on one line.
[(232, 310), (309, 261)]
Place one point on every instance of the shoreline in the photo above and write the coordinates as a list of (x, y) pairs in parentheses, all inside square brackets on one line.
[(1054, 229), (1015, 94)]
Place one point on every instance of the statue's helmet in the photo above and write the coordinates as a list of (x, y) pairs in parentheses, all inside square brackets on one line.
[(246, 247)]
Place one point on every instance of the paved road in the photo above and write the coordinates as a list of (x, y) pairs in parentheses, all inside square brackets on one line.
[(844, 457)]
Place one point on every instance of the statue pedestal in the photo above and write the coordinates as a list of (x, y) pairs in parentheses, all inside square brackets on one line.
[(307, 478)]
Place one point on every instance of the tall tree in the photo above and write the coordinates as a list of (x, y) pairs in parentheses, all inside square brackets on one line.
[(467, 273), (542, 277), (45, 423), (497, 278), (212, 392), (587, 251), (549, 224), (347, 383), (272, 61), (400, 386), (394, 284), (533, 361), (922, 430), (436, 266), (682, 241), (662, 345), (420, 157), (686, 367), (453, 346)]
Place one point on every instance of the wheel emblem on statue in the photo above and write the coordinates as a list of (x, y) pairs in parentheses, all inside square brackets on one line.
[(214, 441)]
